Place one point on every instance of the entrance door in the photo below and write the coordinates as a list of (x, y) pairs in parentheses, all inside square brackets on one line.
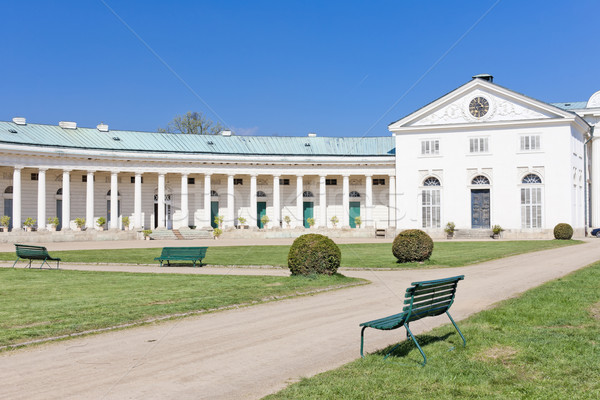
[(354, 212), (480, 208), (214, 211), (8, 210), (59, 214), (261, 210), (308, 212), (108, 211)]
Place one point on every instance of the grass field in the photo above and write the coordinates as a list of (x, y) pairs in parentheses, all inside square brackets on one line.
[(38, 304), (377, 255), (543, 345)]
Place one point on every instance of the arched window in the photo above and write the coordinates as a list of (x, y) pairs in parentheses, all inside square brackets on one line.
[(8, 190), (59, 192), (354, 193), (431, 203), (480, 180), (213, 193), (307, 193), (260, 193), (108, 193), (531, 201)]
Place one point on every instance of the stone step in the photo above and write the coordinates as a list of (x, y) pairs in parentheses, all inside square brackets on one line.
[(178, 234), (473, 234)]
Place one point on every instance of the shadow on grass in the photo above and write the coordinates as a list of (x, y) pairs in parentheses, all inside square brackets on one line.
[(405, 347)]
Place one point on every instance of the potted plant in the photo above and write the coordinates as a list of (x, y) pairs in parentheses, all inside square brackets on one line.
[(497, 230), (450, 228), (125, 221), (310, 221), (287, 220), (217, 232), (100, 223), (242, 223), (264, 220), (147, 233), (29, 224), (358, 221), (334, 221), (219, 220), (53, 222), (79, 223), (4, 222)]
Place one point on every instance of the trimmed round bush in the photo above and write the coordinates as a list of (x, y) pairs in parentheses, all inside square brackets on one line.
[(314, 254), (412, 245), (563, 232)]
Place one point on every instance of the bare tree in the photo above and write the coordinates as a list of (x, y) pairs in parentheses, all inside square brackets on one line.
[(193, 123)]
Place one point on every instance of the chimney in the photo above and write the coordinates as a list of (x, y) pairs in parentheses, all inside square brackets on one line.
[(225, 133), (102, 127), (311, 134), (485, 77), (67, 124), (19, 121)]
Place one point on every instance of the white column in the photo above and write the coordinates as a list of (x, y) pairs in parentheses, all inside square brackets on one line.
[(66, 200), (392, 201), (16, 217), (322, 201), (41, 211), (89, 200), (114, 200), (253, 215), (299, 200), (276, 202), (369, 201), (230, 202), (137, 202), (207, 199), (161, 201), (346, 200), (185, 220), (595, 203)]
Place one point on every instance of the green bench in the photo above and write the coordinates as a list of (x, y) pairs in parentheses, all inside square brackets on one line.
[(194, 254), (30, 252), (422, 299)]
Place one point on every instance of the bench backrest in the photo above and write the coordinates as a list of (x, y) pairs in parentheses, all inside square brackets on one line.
[(26, 250), (430, 298), (199, 252)]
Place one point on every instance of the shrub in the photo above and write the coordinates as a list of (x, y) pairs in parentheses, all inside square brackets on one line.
[(147, 232), (29, 222), (287, 220), (563, 232), (310, 221), (242, 220), (497, 229), (100, 221), (219, 220), (358, 221), (264, 220), (217, 232), (334, 221), (450, 228), (80, 222), (412, 245), (5, 221), (314, 254), (53, 221), (125, 221)]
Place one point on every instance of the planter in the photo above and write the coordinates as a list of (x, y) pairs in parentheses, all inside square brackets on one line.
[(449, 236), (28, 229), (100, 228), (147, 238), (495, 236), (77, 228), (52, 228), (3, 229)]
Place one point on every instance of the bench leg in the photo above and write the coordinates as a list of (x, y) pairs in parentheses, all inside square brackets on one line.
[(15, 263), (417, 343), (458, 330), (362, 341)]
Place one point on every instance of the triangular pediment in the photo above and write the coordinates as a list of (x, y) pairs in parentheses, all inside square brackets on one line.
[(502, 105)]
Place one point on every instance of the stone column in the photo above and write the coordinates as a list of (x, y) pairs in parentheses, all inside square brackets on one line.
[(276, 202), (230, 202), (185, 220), (66, 200), (89, 200), (369, 201), (114, 200), (322, 201), (346, 200), (137, 202), (207, 199), (595, 203), (392, 201), (253, 214), (41, 211), (161, 201), (16, 217), (299, 201)]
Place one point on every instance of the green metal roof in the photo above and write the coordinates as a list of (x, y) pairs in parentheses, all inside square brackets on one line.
[(93, 139), (574, 105)]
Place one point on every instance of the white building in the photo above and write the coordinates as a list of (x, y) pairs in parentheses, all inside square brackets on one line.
[(478, 156)]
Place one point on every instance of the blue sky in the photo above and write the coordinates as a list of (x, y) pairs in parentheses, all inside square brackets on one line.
[(284, 68)]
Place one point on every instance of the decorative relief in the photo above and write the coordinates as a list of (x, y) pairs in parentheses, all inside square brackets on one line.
[(594, 101)]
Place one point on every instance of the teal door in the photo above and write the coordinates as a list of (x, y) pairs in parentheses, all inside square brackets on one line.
[(108, 216), (8, 210), (308, 212), (354, 212), (214, 211), (261, 210), (59, 214)]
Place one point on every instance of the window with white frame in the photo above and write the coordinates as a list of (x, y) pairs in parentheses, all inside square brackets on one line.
[(431, 203), (478, 145), (530, 143), (430, 147), (531, 202)]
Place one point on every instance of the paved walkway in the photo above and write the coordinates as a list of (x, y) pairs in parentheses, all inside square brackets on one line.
[(251, 352)]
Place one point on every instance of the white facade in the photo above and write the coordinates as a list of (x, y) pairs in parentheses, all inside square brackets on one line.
[(479, 156)]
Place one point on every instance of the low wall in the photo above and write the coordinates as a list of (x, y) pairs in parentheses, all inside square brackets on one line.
[(67, 236)]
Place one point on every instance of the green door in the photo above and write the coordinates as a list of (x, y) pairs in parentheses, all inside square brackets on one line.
[(261, 210), (214, 211), (354, 212), (308, 212)]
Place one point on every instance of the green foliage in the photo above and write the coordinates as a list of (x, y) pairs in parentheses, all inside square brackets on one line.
[(219, 220), (334, 221), (450, 228), (125, 221), (264, 220), (497, 229), (101, 221), (192, 123), (80, 222), (147, 232), (563, 231), (314, 254), (29, 222), (54, 221), (310, 221), (412, 245), (287, 220), (242, 220), (358, 221), (217, 232), (5, 221)]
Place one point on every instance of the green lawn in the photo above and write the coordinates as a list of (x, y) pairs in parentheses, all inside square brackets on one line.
[(45, 303), (542, 345), (377, 255)]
